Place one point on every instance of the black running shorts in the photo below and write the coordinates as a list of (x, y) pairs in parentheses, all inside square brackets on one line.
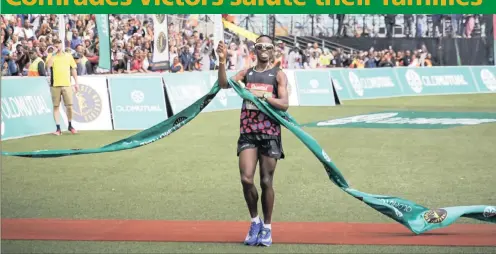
[(270, 146)]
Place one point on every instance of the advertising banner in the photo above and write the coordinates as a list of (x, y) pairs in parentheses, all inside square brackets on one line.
[(27, 108), (436, 80), (314, 88), (91, 107), (372, 83), (340, 85), (485, 77), (137, 102), (185, 88)]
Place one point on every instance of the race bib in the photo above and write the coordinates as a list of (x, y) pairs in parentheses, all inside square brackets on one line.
[(258, 89)]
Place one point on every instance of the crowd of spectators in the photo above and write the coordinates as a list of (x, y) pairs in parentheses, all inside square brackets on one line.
[(26, 37), (313, 57), (406, 25)]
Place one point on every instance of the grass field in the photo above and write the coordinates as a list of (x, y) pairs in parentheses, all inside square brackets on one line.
[(193, 175)]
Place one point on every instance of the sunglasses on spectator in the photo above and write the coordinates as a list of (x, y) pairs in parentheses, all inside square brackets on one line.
[(264, 46)]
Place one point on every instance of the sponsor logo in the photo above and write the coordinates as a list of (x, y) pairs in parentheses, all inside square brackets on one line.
[(24, 106), (138, 97), (414, 81), (160, 18), (260, 87), (358, 119), (179, 120), (489, 212), (355, 83), (408, 118), (314, 88), (488, 79), (435, 216), (314, 83), (400, 206), (417, 83), (87, 104), (326, 157), (359, 85), (161, 42)]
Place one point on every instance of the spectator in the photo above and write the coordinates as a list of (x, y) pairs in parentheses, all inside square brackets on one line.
[(186, 59), (294, 59), (177, 67), (390, 21), (37, 66)]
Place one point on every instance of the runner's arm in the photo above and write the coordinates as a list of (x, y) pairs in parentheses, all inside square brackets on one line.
[(222, 76), (281, 103)]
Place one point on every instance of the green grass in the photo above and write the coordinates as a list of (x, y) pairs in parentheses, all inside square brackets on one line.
[(193, 175)]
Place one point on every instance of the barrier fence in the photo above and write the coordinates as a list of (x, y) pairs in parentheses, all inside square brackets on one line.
[(136, 102)]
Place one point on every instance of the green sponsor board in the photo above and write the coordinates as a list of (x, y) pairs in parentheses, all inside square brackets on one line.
[(137, 102), (372, 83), (485, 76), (409, 120), (185, 88), (27, 108), (436, 80), (314, 88), (340, 85)]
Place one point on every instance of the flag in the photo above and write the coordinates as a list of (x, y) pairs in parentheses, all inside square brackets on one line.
[(102, 25), (160, 42)]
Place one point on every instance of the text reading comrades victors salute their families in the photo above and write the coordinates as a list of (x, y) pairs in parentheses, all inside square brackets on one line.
[(253, 3)]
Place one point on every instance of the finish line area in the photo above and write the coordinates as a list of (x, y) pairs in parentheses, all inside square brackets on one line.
[(187, 185)]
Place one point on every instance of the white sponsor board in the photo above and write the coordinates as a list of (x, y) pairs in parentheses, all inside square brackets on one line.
[(91, 106)]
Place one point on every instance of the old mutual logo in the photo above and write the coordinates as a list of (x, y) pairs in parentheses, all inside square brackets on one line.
[(488, 79), (409, 119), (137, 96), (314, 83)]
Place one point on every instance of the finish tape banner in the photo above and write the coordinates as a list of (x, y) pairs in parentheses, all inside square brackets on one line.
[(417, 218)]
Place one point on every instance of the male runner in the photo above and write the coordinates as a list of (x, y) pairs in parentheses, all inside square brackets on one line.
[(260, 137), (62, 66)]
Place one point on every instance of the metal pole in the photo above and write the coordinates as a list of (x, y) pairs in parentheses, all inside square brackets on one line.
[(312, 17)]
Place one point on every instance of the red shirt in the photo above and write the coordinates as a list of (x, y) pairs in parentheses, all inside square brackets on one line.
[(137, 65)]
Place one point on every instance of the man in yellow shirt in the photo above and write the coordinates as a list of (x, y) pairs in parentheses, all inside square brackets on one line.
[(61, 66)]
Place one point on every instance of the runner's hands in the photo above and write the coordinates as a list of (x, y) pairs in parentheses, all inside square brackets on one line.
[(222, 52)]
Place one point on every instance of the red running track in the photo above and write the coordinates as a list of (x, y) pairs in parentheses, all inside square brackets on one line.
[(234, 232)]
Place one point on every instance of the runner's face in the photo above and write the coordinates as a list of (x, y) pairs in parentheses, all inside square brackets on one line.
[(264, 49)]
